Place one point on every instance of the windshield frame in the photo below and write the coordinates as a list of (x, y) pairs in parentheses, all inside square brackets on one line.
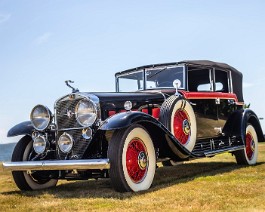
[(144, 71)]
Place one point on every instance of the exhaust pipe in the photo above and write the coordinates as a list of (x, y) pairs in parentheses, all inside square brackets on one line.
[(57, 165)]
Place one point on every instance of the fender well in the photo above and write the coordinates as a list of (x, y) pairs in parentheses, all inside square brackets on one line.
[(124, 119), (24, 128), (237, 123), (253, 119), (162, 138)]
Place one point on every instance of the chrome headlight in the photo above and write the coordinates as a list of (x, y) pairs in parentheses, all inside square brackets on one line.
[(39, 144), (86, 113), (40, 117), (65, 143)]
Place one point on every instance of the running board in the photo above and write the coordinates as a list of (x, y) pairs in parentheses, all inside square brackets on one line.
[(219, 151), (57, 165)]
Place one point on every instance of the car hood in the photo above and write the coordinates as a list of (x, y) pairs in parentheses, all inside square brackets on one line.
[(129, 96)]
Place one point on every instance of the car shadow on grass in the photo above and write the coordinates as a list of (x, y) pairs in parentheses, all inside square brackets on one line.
[(164, 177)]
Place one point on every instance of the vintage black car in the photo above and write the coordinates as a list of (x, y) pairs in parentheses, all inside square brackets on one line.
[(159, 113)]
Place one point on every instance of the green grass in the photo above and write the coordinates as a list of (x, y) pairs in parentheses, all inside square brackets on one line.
[(216, 183)]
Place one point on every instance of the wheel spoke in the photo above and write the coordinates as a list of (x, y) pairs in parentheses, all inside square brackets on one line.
[(250, 148), (136, 160), (181, 126)]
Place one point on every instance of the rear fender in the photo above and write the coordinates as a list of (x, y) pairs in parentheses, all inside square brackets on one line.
[(24, 128), (238, 121), (159, 133)]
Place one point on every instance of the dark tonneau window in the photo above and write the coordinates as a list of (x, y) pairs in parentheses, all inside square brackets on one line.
[(199, 80), (207, 80), (221, 81)]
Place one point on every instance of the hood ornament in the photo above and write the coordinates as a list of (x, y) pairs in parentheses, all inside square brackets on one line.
[(74, 90)]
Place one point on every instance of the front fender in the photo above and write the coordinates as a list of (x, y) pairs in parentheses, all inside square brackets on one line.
[(125, 119), (24, 128)]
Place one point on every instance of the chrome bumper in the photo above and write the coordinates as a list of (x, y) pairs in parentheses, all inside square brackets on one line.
[(57, 165)]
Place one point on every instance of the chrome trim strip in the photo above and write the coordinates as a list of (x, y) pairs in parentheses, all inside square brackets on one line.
[(231, 82), (74, 128), (58, 165)]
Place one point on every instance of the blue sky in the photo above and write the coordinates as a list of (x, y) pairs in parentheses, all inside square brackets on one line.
[(45, 42)]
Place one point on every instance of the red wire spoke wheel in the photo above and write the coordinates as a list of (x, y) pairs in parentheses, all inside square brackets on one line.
[(132, 159), (248, 155), (137, 160), (177, 115), (250, 146), (181, 126)]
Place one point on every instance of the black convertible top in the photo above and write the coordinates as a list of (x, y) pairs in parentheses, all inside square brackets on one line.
[(237, 76)]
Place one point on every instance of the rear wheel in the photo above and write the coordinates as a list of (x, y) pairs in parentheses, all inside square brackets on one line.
[(132, 159), (36, 180), (248, 155)]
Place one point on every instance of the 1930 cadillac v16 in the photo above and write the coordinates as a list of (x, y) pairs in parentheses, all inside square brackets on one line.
[(176, 112)]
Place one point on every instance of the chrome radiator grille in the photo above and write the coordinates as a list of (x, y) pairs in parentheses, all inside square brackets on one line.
[(66, 122), (65, 113)]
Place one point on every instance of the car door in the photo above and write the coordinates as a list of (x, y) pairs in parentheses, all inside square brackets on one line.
[(226, 104), (202, 97)]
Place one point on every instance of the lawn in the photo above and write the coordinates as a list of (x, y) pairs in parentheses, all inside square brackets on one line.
[(206, 184)]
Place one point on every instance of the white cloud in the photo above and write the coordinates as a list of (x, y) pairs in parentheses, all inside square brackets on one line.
[(4, 17), (247, 85), (42, 38)]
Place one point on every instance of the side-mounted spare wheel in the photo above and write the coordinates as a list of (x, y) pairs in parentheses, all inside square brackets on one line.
[(132, 159), (36, 180), (248, 155), (178, 116)]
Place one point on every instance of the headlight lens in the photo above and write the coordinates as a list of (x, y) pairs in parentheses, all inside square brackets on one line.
[(39, 144), (86, 113), (40, 117), (65, 143)]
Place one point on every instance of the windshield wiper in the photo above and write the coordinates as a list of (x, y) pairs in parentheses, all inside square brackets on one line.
[(151, 76)]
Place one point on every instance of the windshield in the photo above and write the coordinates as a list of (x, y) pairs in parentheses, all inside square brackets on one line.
[(159, 77), (131, 82)]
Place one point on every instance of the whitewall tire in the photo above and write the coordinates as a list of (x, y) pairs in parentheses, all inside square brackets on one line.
[(249, 155), (23, 180), (132, 159), (178, 116)]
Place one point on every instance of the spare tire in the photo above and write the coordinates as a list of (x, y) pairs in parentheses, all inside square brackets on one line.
[(177, 115)]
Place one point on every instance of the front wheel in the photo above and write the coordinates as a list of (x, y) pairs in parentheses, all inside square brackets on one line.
[(248, 155), (36, 180), (132, 159)]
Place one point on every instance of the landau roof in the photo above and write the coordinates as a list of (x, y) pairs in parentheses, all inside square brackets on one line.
[(237, 76)]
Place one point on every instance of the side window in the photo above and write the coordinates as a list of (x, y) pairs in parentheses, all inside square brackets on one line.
[(221, 81), (200, 80)]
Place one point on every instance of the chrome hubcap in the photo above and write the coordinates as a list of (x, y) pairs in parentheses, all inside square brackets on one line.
[(142, 160), (186, 127)]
